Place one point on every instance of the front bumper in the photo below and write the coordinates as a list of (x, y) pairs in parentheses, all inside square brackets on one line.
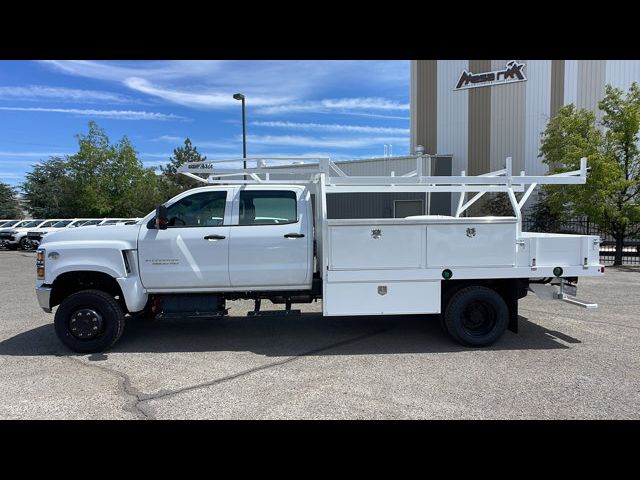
[(43, 293)]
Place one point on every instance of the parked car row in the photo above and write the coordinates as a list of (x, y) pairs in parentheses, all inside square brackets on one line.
[(26, 234)]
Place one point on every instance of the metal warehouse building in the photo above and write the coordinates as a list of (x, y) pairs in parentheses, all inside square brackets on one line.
[(385, 205), (482, 111), (472, 114)]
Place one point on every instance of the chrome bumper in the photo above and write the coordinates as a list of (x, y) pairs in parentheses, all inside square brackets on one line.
[(43, 293)]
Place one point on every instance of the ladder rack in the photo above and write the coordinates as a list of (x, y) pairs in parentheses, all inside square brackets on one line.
[(310, 170)]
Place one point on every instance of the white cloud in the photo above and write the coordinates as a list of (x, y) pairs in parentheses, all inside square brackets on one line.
[(168, 138), (113, 114), (197, 143), (313, 142), (272, 87), (374, 115), (338, 105), (38, 92), (332, 127), (11, 175), (368, 103), (33, 154), (155, 155), (116, 71), (204, 99)]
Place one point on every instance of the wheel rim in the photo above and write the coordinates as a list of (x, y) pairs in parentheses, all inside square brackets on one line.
[(479, 318), (86, 324)]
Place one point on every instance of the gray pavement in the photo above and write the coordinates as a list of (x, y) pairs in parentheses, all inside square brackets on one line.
[(566, 363)]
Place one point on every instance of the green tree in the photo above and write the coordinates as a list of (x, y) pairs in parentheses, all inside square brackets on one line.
[(610, 197), (174, 182), (9, 206), (493, 204), (48, 190), (542, 218), (109, 179)]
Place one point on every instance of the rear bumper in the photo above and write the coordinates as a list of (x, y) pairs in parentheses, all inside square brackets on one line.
[(43, 293)]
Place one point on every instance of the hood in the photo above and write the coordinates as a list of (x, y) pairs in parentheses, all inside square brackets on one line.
[(45, 230), (121, 233)]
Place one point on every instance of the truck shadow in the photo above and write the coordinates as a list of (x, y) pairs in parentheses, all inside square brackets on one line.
[(307, 334)]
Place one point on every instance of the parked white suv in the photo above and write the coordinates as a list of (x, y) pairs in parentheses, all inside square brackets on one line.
[(16, 236), (34, 237)]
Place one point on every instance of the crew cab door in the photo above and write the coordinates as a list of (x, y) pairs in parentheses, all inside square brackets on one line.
[(193, 252), (271, 244)]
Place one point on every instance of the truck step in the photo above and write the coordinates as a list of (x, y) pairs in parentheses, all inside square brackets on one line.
[(273, 313), (191, 315)]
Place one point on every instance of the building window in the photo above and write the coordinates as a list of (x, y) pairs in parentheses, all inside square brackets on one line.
[(407, 208)]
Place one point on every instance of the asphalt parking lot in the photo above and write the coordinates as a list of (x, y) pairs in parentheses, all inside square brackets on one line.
[(566, 363)]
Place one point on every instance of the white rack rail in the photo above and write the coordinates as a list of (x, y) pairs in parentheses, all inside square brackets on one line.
[(336, 181)]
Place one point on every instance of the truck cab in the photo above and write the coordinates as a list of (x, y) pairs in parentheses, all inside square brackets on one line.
[(217, 243), (229, 238)]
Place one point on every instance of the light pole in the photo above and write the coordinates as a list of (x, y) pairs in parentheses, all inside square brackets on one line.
[(239, 96)]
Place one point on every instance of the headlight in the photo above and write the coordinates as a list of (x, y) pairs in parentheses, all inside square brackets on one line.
[(40, 263)]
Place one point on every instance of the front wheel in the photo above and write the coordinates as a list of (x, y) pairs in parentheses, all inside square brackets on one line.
[(89, 321), (476, 316)]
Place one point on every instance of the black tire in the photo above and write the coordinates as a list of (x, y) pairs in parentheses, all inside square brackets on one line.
[(476, 316), (23, 243), (107, 316), (12, 246)]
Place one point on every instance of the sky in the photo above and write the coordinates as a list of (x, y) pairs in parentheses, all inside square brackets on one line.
[(341, 109)]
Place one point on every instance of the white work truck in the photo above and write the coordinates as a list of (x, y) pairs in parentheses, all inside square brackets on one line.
[(248, 235)]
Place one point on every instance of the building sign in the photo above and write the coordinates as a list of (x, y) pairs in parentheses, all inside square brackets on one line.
[(514, 72)]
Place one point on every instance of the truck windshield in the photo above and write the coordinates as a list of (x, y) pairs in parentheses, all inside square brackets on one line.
[(31, 224), (62, 224), (50, 223), (10, 224)]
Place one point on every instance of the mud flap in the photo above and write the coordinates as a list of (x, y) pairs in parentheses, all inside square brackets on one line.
[(514, 291)]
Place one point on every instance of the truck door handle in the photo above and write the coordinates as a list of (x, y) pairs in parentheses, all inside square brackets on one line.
[(215, 237), (294, 235)]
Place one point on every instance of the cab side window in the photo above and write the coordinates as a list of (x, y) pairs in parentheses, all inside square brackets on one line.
[(205, 209), (268, 207)]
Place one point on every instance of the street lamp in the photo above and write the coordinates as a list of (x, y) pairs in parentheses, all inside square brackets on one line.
[(239, 96)]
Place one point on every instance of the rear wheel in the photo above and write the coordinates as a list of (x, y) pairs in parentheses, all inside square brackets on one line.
[(89, 321), (476, 316)]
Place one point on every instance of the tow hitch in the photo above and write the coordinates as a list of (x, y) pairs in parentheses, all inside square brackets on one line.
[(564, 290)]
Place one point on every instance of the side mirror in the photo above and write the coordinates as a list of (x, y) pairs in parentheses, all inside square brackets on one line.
[(162, 218)]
